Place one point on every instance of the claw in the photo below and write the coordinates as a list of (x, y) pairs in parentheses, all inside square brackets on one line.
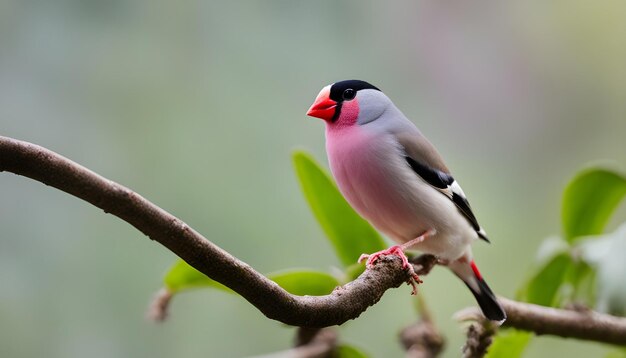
[(394, 250), (413, 284), (398, 250), (414, 279)]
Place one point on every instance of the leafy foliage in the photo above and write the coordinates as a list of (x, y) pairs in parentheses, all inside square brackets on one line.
[(589, 200)]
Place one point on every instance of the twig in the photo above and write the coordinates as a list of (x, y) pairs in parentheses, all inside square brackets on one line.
[(310, 343), (423, 263), (345, 303), (158, 307), (588, 325), (422, 340), (479, 338), (315, 342)]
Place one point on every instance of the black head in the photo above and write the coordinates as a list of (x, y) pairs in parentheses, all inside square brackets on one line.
[(331, 99), (346, 90)]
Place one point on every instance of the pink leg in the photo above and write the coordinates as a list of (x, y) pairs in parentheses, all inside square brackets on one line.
[(398, 250)]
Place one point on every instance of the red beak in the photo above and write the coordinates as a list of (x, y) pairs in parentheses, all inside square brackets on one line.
[(323, 107)]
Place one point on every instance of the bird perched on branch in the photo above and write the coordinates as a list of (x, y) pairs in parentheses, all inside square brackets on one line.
[(395, 178)]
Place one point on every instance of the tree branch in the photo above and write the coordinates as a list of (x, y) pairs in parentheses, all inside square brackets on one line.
[(344, 303), (587, 325)]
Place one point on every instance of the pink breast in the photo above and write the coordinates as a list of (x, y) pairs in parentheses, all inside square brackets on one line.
[(361, 164)]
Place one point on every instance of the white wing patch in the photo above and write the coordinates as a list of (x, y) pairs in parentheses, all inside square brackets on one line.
[(446, 184)]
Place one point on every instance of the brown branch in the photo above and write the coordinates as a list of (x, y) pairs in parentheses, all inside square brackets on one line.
[(586, 325), (345, 303)]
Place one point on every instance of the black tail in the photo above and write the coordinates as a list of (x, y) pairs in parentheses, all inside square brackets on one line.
[(487, 301)]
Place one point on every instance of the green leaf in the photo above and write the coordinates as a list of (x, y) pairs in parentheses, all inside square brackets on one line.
[(181, 276), (581, 276), (542, 288), (350, 351), (353, 271), (305, 282), (349, 234), (617, 353), (509, 343), (589, 200), (296, 281)]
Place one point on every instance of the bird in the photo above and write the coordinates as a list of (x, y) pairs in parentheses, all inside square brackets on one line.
[(392, 175)]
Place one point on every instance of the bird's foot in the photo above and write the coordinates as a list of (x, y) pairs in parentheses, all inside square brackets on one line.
[(398, 250), (414, 280), (393, 250)]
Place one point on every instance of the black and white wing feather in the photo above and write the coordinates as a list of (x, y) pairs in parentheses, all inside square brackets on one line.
[(446, 184)]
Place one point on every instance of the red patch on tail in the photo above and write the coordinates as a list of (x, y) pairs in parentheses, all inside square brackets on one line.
[(475, 269)]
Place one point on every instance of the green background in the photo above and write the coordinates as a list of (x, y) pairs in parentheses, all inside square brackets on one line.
[(198, 105)]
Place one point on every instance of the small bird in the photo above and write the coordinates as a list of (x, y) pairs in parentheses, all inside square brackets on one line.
[(395, 178)]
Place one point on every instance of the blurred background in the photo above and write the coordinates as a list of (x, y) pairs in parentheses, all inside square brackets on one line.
[(198, 105)]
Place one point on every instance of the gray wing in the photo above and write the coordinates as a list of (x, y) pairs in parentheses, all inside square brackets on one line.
[(426, 162)]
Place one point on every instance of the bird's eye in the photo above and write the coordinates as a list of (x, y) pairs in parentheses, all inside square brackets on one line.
[(349, 94)]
